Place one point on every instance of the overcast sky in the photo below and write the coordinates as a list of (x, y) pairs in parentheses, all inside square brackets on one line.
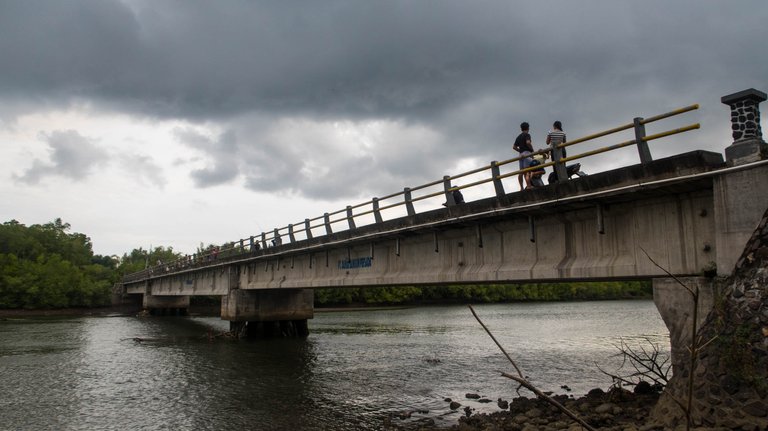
[(145, 122)]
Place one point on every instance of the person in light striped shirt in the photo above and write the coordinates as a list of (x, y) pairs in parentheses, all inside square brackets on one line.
[(557, 136)]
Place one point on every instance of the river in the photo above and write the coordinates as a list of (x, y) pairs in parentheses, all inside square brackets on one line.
[(354, 370)]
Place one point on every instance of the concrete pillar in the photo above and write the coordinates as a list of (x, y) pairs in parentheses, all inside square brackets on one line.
[(268, 312), (675, 304), (739, 200)]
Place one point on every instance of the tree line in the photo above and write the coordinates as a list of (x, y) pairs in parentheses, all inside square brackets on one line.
[(47, 266), (485, 293)]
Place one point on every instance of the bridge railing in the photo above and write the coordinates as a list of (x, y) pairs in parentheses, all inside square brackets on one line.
[(405, 200)]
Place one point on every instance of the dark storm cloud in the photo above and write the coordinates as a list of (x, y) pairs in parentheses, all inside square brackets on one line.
[(394, 59), (222, 151), (72, 156), (466, 72)]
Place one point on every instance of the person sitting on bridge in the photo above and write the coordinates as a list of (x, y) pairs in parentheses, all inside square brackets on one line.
[(537, 174), (458, 198)]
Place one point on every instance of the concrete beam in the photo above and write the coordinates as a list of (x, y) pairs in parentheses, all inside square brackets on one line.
[(267, 305), (160, 302)]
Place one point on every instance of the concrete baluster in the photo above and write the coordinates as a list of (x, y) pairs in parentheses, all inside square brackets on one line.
[(408, 201), (350, 218), (642, 144), (557, 155), (376, 211), (307, 230), (497, 185), (449, 200), (327, 221)]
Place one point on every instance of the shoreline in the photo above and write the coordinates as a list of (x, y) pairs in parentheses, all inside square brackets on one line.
[(208, 310), (617, 409)]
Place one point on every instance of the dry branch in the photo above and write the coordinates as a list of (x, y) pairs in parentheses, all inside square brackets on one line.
[(525, 383)]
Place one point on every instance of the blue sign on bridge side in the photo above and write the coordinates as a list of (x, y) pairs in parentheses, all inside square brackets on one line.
[(360, 262)]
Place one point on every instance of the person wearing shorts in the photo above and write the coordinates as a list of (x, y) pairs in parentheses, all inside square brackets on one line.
[(524, 146)]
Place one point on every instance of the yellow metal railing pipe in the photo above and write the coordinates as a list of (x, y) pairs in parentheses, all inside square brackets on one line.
[(630, 142), (473, 171), (598, 135), (424, 186), (427, 196), (670, 114)]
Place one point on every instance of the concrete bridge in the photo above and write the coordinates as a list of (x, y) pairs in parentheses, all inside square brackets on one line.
[(691, 213)]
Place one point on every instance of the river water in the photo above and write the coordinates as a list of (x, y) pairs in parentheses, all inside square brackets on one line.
[(356, 369)]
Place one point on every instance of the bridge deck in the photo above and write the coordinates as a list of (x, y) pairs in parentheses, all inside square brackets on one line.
[(681, 174)]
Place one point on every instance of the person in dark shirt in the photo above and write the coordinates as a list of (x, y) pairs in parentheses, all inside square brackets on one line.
[(524, 146)]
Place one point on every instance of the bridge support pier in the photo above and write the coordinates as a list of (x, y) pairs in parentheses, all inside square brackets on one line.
[(675, 304), (165, 305), (268, 312)]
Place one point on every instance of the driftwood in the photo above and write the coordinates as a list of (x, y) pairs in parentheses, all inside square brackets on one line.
[(525, 383)]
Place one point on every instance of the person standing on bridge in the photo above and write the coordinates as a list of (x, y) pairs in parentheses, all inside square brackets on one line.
[(556, 137), (524, 146)]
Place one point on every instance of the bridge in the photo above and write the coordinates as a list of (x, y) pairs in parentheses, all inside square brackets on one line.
[(691, 214)]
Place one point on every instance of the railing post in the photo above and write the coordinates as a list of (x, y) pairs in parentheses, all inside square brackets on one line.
[(263, 240), (449, 200), (642, 145), (497, 185), (376, 212), (327, 221), (307, 230), (276, 237), (557, 155), (252, 244), (408, 201), (242, 247), (290, 233), (350, 218)]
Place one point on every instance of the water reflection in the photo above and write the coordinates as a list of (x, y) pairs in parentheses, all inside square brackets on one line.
[(354, 370)]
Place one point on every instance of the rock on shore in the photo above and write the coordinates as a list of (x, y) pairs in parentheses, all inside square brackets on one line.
[(615, 410)]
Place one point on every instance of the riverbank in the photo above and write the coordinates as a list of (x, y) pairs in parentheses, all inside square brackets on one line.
[(615, 410), (66, 312)]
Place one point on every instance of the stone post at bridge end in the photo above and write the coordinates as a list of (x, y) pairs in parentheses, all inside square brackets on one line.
[(740, 196), (748, 144)]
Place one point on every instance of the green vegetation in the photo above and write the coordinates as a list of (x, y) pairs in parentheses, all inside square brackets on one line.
[(482, 293), (46, 266)]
